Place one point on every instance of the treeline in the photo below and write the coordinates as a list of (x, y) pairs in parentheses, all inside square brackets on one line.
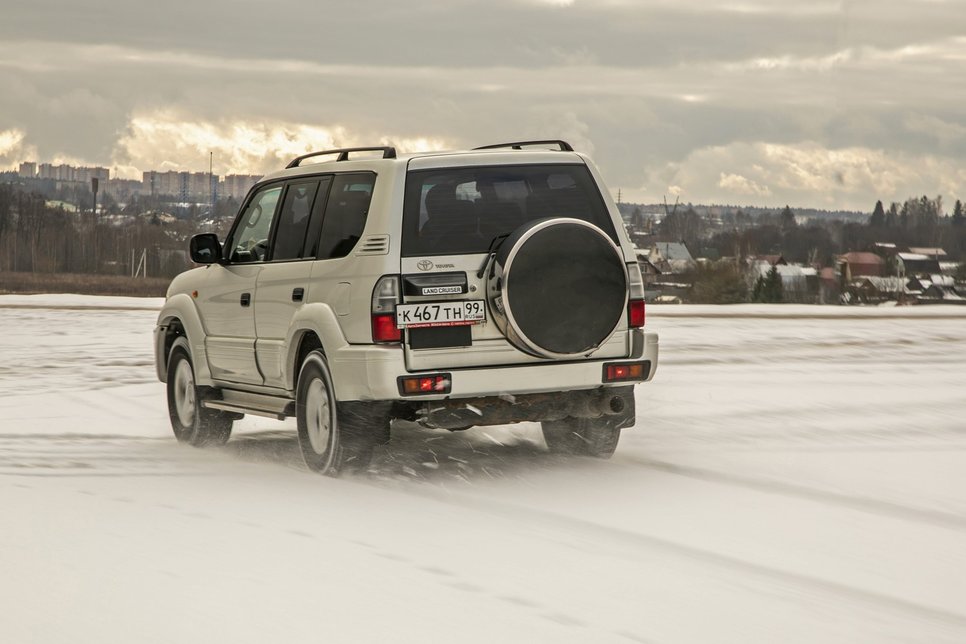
[(38, 238), (918, 222)]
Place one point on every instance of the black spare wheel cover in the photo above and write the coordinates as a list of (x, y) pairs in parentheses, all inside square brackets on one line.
[(563, 285)]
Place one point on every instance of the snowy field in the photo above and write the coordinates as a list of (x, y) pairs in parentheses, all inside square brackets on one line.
[(797, 474)]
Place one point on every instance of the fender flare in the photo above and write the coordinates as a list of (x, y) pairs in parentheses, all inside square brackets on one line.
[(182, 307), (320, 319)]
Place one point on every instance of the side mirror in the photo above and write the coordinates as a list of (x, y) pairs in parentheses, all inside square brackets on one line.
[(205, 248)]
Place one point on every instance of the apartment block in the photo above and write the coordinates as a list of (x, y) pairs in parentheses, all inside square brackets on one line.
[(238, 185)]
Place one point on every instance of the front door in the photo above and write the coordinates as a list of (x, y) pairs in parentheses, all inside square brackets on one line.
[(226, 301)]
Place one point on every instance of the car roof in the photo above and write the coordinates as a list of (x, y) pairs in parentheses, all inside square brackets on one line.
[(432, 159)]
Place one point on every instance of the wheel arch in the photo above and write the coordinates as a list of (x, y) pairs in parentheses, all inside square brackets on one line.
[(179, 318), (316, 326)]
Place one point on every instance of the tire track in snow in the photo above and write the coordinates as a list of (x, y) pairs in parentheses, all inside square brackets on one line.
[(97, 455), (634, 540), (771, 486)]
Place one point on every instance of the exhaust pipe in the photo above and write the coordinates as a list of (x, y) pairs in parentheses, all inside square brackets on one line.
[(597, 406), (616, 404)]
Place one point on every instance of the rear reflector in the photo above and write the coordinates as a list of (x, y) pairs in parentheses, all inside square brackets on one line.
[(635, 313), (439, 383), (624, 371), (384, 328)]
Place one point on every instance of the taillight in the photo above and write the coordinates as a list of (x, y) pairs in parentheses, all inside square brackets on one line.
[(384, 328), (439, 383), (635, 313), (385, 297), (624, 371), (635, 304)]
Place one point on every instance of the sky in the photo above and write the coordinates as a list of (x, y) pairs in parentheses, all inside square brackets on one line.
[(752, 102)]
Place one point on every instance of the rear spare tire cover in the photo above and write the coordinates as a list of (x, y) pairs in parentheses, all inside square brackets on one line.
[(560, 287)]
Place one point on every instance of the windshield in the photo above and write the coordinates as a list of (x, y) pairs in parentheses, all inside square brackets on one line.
[(460, 210)]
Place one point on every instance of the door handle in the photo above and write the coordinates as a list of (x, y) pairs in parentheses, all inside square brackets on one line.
[(246, 299), (298, 294)]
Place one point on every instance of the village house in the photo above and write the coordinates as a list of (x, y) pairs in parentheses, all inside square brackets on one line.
[(874, 289), (855, 264), (800, 284), (659, 264), (911, 264)]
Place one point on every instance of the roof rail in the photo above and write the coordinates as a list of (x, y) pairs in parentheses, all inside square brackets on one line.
[(518, 145), (388, 152)]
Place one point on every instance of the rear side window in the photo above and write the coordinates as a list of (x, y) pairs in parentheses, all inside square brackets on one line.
[(461, 210), (345, 215)]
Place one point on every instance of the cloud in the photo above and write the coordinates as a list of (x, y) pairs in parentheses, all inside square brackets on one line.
[(168, 140), (806, 173), (943, 132), (830, 85), (13, 149), (743, 186)]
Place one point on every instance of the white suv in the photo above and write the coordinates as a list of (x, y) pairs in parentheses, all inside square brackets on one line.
[(452, 289)]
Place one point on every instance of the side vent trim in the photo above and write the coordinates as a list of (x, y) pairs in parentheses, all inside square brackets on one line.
[(374, 245)]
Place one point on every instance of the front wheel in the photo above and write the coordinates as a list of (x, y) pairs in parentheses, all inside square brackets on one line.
[(192, 423), (582, 436), (330, 441)]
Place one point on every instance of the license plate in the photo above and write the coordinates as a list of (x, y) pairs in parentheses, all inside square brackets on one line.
[(462, 313)]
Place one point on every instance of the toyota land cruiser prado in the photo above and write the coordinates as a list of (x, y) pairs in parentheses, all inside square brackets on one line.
[(452, 289)]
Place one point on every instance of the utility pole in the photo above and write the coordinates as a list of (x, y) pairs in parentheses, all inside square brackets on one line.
[(94, 182), (211, 185)]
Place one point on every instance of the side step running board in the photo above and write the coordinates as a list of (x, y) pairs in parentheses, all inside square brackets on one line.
[(255, 404)]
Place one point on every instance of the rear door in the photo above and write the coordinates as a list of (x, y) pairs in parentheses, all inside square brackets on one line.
[(319, 223), (452, 217)]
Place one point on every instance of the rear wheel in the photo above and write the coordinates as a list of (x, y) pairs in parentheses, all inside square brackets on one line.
[(331, 440), (192, 423), (596, 437)]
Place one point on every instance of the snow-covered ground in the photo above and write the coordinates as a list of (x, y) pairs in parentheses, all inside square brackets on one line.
[(798, 474)]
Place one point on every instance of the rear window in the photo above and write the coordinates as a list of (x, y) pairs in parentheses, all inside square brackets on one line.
[(461, 210)]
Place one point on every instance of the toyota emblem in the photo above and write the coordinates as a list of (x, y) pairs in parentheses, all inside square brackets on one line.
[(425, 265)]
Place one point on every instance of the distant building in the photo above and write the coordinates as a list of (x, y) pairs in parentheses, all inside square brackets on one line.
[(874, 289), (910, 264), (670, 257), (830, 286), (186, 186), (238, 185), (122, 189), (935, 253), (68, 173), (800, 284), (773, 260), (198, 187), (854, 264), (886, 250)]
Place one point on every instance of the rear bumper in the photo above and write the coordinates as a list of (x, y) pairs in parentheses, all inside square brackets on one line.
[(370, 372)]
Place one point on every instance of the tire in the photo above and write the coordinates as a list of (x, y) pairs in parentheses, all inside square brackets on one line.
[(331, 440), (192, 423), (558, 288), (595, 437)]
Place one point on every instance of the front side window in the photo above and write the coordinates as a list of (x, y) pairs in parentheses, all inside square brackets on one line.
[(461, 210), (249, 243)]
